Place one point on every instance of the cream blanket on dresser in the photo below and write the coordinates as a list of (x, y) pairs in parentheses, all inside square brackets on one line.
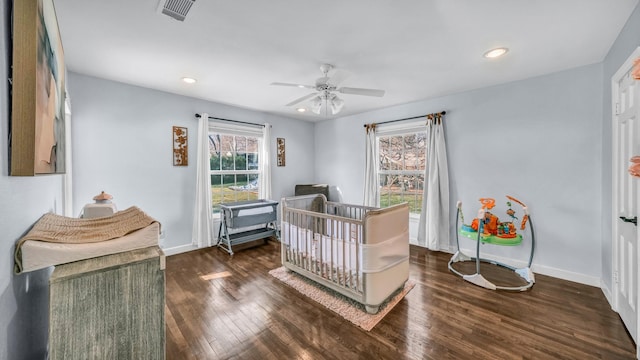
[(54, 228)]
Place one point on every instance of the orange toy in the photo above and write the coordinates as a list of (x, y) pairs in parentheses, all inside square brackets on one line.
[(526, 216), (487, 203), (474, 224), (506, 230), (490, 224), (490, 221)]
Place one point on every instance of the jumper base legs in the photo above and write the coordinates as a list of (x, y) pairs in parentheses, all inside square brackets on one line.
[(477, 278)]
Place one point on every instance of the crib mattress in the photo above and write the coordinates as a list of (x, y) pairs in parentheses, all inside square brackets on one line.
[(39, 254)]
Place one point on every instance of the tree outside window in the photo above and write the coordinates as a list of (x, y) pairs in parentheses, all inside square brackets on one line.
[(401, 169)]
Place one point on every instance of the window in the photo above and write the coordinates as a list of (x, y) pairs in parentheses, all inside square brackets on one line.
[(401, 168), (234, 162)]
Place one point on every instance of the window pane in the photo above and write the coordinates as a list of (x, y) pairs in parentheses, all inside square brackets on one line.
[(421, 149), (254, 184), (214, 161), (244, 187), (390, 190), (384, 191), (383, 148), (228, 195), (412, 152), (241, 180), (252, 161), (227, 161), (241, 144), (241, 161), (395, 153), (229, 179), (413, 193), (249, 189), (240, 158), (216, 193), (398, 190), (252, 145), (214, 152), (235, 195), (227, 152)]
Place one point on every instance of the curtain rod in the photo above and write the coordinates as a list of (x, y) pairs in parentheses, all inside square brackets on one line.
[(235, 121), (410, 118)]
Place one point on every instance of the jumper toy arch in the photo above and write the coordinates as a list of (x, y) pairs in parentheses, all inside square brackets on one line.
[(487, 228)]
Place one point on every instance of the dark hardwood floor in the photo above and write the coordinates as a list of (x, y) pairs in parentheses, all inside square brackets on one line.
[(222, 307)]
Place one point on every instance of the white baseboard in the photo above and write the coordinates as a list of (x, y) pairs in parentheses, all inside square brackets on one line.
[(566, 275), (179, 249), (539, 269), (607, 294)]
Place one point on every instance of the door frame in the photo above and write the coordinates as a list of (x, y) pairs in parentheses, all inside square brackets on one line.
[(624, 68)]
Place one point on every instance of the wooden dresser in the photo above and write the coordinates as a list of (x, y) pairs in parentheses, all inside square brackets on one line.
[(109, 307)]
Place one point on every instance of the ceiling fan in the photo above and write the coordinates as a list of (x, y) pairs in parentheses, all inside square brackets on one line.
[(325, 89)]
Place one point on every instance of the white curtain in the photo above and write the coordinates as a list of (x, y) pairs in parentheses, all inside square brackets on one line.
[(265, 163), (433, 230), (202, 216), (371, 181)]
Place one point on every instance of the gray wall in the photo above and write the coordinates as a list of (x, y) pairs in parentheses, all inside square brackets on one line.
[(537, 139), (23, 298), (122, 145), (625, 44)]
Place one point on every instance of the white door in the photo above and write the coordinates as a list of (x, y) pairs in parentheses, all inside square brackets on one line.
[(626, 143)]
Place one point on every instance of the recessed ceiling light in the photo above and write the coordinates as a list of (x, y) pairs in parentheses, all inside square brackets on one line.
[(494, 53), (301, 110), (189, 80)]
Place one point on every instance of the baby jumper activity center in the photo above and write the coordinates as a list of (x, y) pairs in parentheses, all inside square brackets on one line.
[(488, 229)]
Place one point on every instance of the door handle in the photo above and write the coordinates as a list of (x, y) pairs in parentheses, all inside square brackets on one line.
[(633, 220)]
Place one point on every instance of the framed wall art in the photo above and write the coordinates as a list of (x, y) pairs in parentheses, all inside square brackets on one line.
[(180, 146), (280, 152), (37, 143)]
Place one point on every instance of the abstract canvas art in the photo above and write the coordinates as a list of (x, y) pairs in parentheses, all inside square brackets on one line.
[(38, 93)]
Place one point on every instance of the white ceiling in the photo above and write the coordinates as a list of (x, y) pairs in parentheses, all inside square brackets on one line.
[(414, 49)]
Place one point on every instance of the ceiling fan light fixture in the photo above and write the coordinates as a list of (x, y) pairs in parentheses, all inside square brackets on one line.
[(316, 105), (497, 52), (336, 105), (324, 94)]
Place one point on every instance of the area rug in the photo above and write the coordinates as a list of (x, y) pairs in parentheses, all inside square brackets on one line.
[(338, 303)]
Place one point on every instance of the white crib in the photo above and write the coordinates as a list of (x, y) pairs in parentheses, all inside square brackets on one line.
[(360, 252)]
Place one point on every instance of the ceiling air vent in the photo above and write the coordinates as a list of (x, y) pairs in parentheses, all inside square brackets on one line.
[(177, 9)]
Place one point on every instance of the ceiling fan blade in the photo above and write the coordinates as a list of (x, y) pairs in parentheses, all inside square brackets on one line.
[(338, 77), (299, 100), (359, 91), (294, 85)]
